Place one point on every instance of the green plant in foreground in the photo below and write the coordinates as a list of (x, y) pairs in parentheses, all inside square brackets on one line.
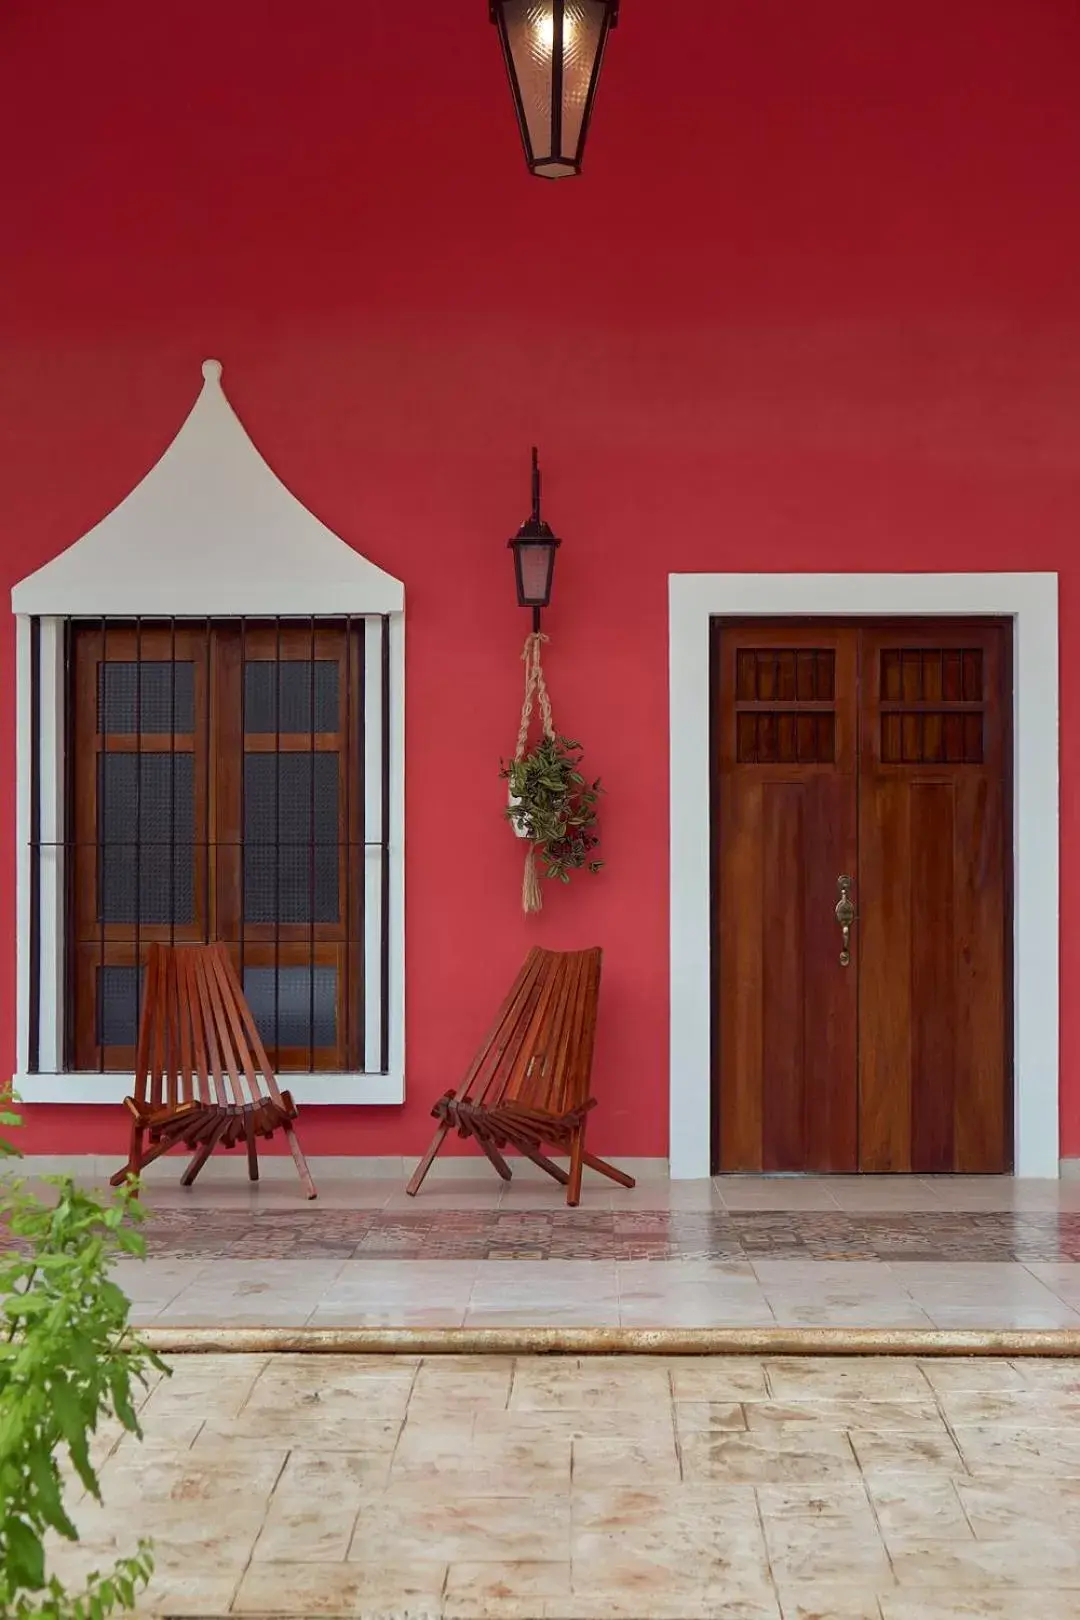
[(555, 806), (68, 1358)]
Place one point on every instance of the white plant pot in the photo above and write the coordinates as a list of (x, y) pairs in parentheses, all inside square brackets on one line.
[(518, 824)]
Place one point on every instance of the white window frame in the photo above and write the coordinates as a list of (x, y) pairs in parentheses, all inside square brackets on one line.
[(53, 1084), (209, 533), (1031, 602)]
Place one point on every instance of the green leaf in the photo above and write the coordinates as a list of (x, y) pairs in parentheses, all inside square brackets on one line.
[(25, 1554)]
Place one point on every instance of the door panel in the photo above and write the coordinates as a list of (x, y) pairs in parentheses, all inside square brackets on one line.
[(785, 753), (880, 752), (932, 844)]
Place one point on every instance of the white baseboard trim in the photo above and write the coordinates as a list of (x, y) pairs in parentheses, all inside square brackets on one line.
[(232, 1167), (1070, 1169)]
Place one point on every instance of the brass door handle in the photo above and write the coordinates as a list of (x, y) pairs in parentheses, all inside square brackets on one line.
[(845, 916)]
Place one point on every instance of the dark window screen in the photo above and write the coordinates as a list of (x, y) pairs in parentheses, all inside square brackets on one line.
[(146, 832), (291, 838)]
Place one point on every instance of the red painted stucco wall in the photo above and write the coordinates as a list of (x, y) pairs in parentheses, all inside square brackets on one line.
[(815, 305)]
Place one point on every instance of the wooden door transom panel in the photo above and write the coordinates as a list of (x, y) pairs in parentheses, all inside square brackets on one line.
[(785, 674), (932, 705)]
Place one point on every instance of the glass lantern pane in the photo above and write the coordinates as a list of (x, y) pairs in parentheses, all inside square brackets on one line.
[(535, 565), (530, 31), (583, 32)]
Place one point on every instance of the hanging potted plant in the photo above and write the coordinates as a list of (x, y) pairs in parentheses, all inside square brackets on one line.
[(551, 804)]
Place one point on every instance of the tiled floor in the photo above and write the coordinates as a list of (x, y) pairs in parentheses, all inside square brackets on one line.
[(632, 1489), (833, 1252)]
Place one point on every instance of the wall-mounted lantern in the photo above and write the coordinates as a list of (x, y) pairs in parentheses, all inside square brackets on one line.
[(534, 547), (553, 50)]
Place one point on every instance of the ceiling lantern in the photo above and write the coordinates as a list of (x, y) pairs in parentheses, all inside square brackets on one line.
[(553, 50)]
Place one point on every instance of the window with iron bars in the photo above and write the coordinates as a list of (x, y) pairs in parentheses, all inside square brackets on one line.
[(218, 787)]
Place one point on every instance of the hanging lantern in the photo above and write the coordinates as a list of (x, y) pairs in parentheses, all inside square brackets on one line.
[(553, 51), (534, 547)]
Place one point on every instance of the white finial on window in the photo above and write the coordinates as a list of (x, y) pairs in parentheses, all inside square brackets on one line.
[(211, 370)]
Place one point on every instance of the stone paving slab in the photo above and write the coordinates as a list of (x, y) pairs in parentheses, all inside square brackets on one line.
[(642, 1488)]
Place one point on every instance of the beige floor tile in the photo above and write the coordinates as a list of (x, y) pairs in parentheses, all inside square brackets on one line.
[(696, 1417), (601, 1313), (1027, 1408), (980, 1605), (188, 1595), (1000, 1509), (478, 1380), (962, 1374), (813, 1555), (310, 1428), (210, 1370), (1042, 1559), (539, 1386), (181, 1402), (463, 1529), (698, 1519), (929, 1511), (754, 1193), (821, 1602), (993, 1447), (861, 1377), (906, 1417), (176, 1481), (718, 1378), (619, 1603), (599, 1463), (642, 1424), (841, 1506), (175, 1434), (388, 1316), (998, 1316), (305, 1369), (332, 1391), (520, 1580), (695, 1309), (823, 1535), (795, 1457), (392, 1586), (227, 1527), (652, 1566), (432, 1461), (890, 1452), (1042, 1373), (469, 1606), (312, 1514)]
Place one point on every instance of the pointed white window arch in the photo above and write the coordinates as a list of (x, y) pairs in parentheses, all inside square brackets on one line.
[(209, 535)]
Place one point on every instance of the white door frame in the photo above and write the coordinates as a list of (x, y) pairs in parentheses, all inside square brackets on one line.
[(1031, 601)]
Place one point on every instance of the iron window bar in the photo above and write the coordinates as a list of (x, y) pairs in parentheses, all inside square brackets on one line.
[(69, 846)]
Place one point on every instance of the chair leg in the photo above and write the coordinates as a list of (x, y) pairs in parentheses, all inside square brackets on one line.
[(135, 1160), (427, 1161), (577, 1154), (300, 1162), (543, 1162), (252, 1152), (203, 1153), (606, 1169), (493, 1154)]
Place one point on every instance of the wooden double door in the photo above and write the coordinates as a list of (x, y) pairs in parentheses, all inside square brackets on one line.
[(862, 940)]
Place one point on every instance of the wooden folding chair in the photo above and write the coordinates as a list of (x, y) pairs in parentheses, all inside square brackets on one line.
[(529, 1083), (198, 1049)]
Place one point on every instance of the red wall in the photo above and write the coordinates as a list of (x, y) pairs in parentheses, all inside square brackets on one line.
[(815, 305)]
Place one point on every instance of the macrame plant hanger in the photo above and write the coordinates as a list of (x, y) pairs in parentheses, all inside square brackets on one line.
[(535, 692)]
